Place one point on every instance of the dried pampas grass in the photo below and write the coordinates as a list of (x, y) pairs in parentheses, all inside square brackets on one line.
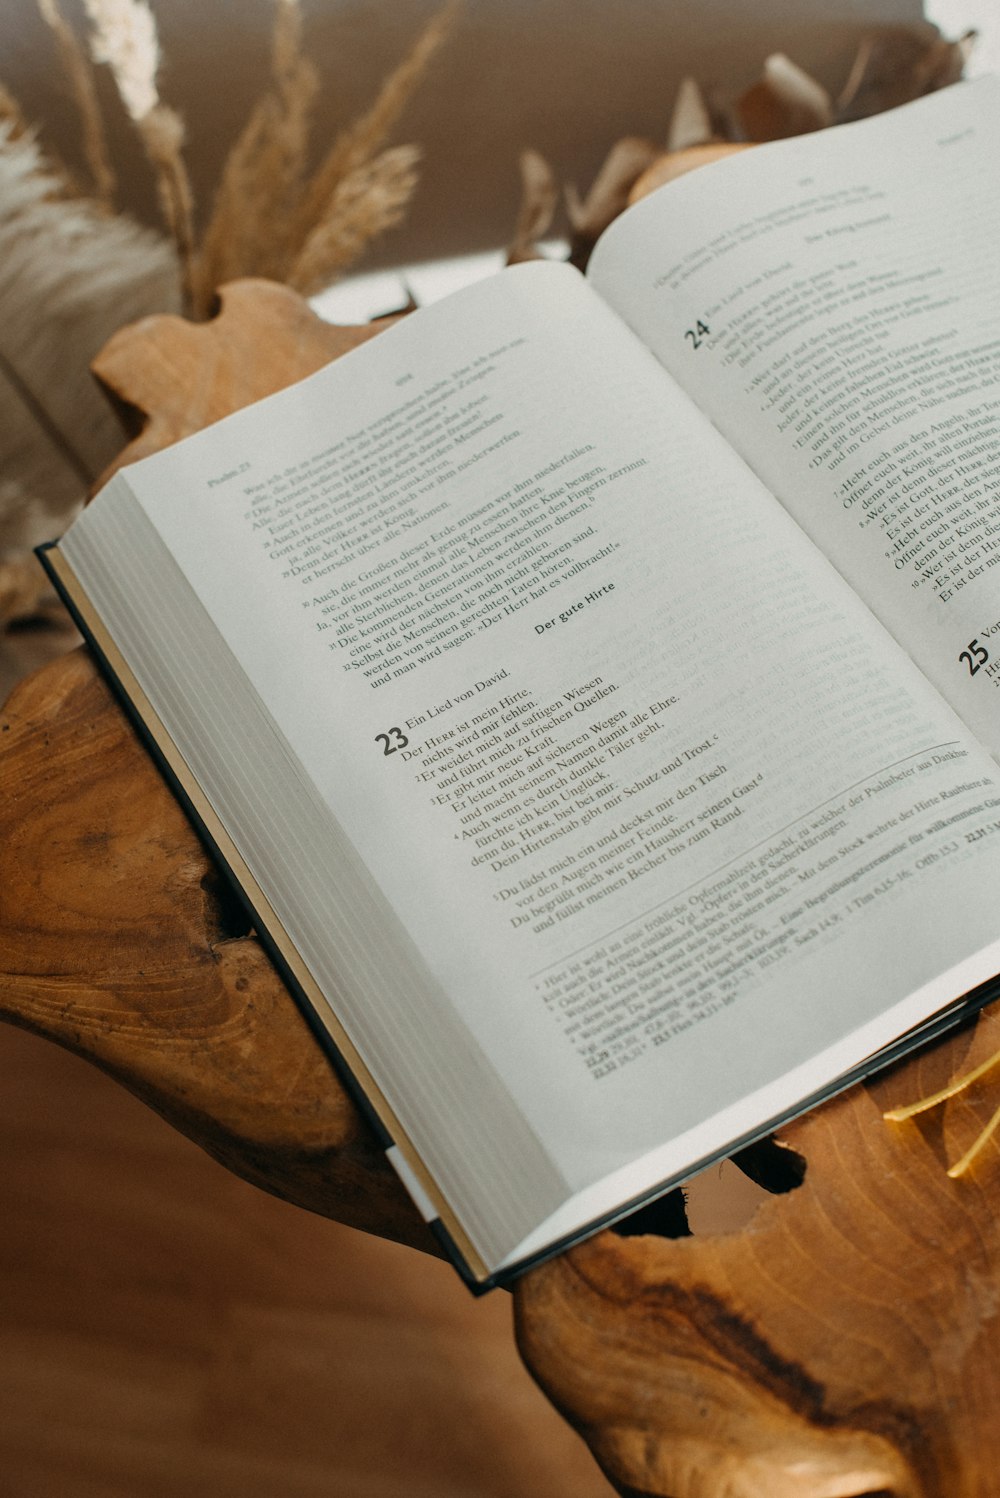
[(124, 36), (371, 198), (539, 200), (355, 148), (72, 270), (269, 217), (70, 275), (82, 87), (250, 229)]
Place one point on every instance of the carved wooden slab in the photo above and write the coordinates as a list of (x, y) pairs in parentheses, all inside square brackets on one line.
[(845, 1342), (115, 932)]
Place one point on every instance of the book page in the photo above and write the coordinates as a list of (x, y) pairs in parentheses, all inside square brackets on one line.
[(833, 302), (662, 808)]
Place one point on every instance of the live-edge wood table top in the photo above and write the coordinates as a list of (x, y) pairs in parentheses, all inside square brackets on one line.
[(846, 1341)]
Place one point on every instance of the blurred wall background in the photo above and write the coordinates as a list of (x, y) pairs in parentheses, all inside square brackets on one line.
[(565, 76)]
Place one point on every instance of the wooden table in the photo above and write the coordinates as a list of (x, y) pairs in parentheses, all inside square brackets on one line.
[(844, 1342)]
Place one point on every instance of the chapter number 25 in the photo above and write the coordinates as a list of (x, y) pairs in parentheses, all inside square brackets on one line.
[(974, 655)]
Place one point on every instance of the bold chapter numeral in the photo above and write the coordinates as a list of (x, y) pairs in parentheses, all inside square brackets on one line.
[(974, 655), (392, 740)]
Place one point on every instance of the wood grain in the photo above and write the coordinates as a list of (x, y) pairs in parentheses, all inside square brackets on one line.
[(844, 1342), (169, 377), (118, 940), (166, 1331), (117, 937)]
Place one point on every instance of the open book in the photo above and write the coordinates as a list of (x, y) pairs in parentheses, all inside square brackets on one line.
[(593, 684)]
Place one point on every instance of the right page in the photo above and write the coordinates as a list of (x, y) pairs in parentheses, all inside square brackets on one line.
[(833, 303)]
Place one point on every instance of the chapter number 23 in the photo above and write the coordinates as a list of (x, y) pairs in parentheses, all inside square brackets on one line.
[(391, 740)]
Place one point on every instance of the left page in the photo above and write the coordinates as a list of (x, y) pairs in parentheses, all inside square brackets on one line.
[(664, 811)]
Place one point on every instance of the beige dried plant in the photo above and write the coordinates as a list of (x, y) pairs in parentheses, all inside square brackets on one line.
[(80, 78), (269, 218), (70, 274), (124, 36), (370, 199), (250, 228), (356, 146), (72, 269)]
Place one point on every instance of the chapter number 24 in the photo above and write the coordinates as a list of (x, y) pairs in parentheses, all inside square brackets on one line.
[(696, 334)]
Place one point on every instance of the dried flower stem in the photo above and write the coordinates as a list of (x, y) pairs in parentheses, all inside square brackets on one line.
[(162, 133), (124, 36), (368, 134), (856, 76), (261, 185), (81, 80), (297, 84), (368, 201), (608, 195)]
